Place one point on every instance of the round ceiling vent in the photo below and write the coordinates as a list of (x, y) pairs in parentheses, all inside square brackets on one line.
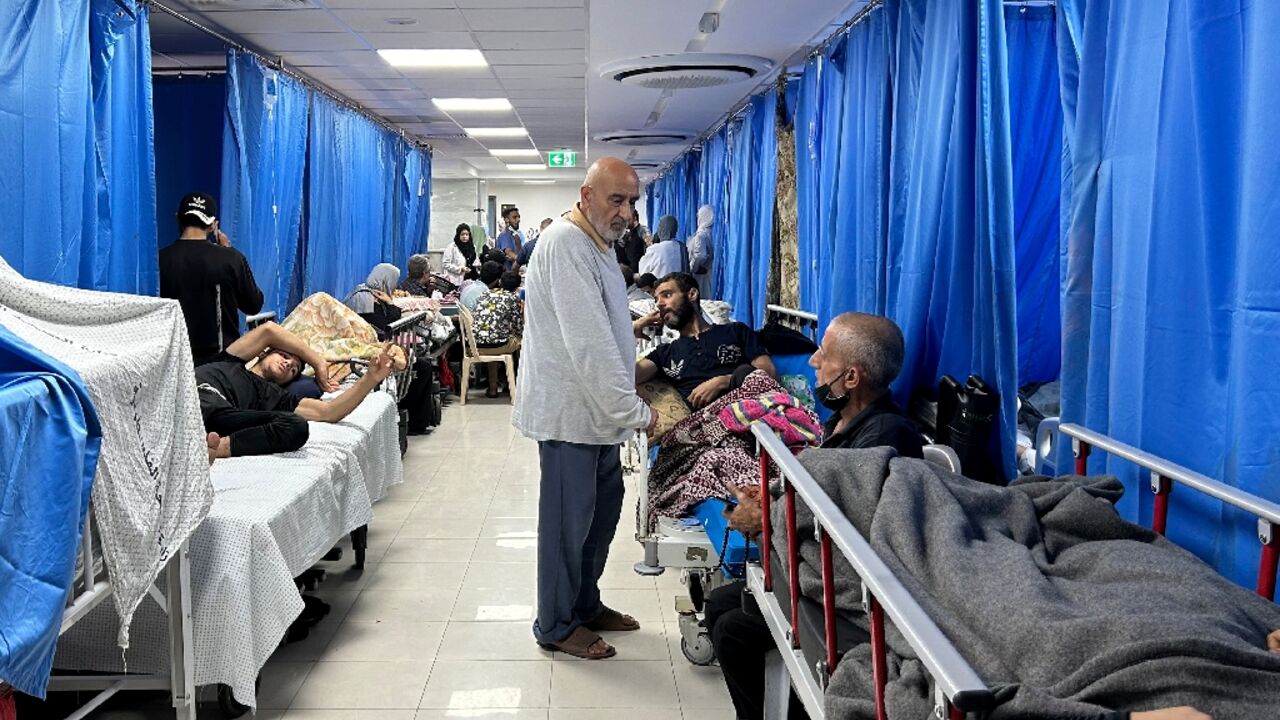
[(684, 71), (645, 137)]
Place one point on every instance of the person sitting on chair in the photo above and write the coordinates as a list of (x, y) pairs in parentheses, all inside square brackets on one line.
[(499, 322), (707, 360), (248, 411), (418, 284), (490, 274)]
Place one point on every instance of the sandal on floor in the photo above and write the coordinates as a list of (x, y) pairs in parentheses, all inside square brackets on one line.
[(580, 643), (610, 620)]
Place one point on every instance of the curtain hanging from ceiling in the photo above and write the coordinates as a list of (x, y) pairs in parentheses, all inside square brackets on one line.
[(264, 156), (752, 181), (414, 195), (1171, 306), (818, 111), (713, 190), (189, 114)]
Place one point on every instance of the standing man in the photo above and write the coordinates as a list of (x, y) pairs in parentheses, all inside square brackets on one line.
[(511, 240), (577, 399), (208, 277)]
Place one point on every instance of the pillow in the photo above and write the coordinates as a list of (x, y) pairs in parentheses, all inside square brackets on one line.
[(667, 402)]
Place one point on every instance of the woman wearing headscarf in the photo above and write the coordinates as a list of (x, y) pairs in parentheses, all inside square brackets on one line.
[(371, 299), (666, 255), (459, 260), (701, 251)]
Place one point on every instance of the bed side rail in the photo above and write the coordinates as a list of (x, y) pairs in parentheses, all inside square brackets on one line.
[(1165, 474), (253, 321), (805, 322), (958, 688)]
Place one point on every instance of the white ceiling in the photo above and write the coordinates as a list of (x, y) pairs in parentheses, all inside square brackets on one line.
[(544, 56)]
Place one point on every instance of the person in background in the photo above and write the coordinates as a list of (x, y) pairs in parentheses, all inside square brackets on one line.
[(634, 293), (510, 241), (490, 274), (418, 284), (578, 400), (648, 284), (631, 248), (526, 253), (701, 250), (499, 322), (210, 279), (459, 261), (371, 299), (666, 255)]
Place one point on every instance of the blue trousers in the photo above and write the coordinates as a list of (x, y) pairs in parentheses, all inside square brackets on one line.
[(579, 504)]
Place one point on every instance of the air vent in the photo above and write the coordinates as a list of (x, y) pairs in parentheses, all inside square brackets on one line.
[(685, 71), (645, 137), (645, 164)]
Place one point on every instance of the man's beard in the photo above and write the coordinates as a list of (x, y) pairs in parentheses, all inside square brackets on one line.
[(679, 317)]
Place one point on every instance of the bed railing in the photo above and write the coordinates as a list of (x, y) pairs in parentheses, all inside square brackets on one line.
[(805, 322), (1165, 475), (958, 689), (253, 321)]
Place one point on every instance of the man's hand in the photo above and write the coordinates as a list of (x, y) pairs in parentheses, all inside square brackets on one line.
[(707, 392), (653, 420), (1273, 642), (1177, 713), (323, 378), (382, 297), (381, 366), (223, 240), (653, 319)]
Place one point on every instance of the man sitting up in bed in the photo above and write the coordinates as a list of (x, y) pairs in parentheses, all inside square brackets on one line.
[(248, 411), (707, 360)]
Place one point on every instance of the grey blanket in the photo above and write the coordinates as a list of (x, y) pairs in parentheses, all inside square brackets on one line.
[(1062, 607)]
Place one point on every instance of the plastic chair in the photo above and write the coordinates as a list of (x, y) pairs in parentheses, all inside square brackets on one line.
[(471, 355)]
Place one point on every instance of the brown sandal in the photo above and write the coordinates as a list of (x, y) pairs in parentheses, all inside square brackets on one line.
[(610, 620), (580, 643)]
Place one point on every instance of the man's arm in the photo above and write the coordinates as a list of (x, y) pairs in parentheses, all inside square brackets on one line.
[(646, 370), (332, 411), (765, 363), (271, 335), (248, 294)]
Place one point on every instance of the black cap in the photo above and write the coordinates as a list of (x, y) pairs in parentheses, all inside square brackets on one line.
[(199, 205)]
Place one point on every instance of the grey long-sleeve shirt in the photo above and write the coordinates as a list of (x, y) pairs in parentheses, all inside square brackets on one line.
[(577, 373)]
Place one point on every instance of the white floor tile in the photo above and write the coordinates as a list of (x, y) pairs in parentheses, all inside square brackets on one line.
[(280, 683), (423, 605), (501, 575), (443, 550), (506, 550), (366, 685), (613, 683), (441, 528), (483, 714), (513, 509), (614, 714), (385, 641), (620, 573), (490, 641), (495, 605), (488, 684), (348, 714), (701, 687), (474, 508), (417, 576), (510, 528)]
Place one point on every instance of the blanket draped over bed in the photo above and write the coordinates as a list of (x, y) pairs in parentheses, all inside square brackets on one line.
[(132, 352), (1062, 607), (702, 458)]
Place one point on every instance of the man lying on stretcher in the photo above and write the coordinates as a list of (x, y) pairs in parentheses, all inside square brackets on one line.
[(706, 360), (248, 411)]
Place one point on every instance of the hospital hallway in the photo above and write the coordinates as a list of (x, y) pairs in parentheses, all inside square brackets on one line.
[(438, 624)]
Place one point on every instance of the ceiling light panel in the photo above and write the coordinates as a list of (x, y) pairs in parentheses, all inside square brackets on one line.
[(472, 104), (496, 132), (417, 58), (525, 166), (515, 152)]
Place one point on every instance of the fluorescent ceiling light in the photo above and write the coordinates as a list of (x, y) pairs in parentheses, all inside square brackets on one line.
[(434, 58), (472, 104), (515, 152), (496, 132), (526, 166), (539, 182)]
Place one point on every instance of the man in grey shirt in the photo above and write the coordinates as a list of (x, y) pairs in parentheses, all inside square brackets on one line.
[(577, 398)]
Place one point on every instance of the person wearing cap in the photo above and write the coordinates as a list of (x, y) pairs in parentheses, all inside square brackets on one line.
[(208, 277)]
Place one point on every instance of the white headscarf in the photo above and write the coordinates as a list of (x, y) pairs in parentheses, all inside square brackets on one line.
[(706, 216), (384, 277)]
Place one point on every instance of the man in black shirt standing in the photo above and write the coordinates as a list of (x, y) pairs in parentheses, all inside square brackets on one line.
[(208, 277), (247, 411), (707, 360)]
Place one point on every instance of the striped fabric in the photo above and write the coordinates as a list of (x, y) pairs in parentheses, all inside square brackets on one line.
[(795, 423)]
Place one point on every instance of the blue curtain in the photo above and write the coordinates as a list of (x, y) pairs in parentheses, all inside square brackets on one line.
[(862, 174), (47, 197), (415, 204), (951, 284), (753, 166), (713, 190), (819, 109), (263, 156), (122, 256), (188, 143), (348, 204), (1035, 115), (1172, 307)]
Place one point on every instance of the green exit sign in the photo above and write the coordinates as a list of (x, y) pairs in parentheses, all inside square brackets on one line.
[(562, 158)]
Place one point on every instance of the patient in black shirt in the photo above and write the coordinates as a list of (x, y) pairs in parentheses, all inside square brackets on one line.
[(706, 360)]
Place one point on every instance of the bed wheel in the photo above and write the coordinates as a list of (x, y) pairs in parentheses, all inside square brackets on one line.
[(700, 651), (227, 703)]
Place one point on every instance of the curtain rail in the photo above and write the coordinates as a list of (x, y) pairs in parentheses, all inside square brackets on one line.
[(278, 65)]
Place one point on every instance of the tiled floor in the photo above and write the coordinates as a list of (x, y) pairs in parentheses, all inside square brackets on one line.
[(438, 624)]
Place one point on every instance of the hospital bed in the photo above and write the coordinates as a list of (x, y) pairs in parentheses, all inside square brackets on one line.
[(809, 635)]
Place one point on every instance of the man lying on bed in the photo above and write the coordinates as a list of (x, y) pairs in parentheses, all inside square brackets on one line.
[(248, 411), (707, 360)]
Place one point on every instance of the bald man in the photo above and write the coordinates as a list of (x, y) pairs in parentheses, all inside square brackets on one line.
[(577, 398)]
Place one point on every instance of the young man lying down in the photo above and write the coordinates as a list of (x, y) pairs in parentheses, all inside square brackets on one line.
[(249, 412)]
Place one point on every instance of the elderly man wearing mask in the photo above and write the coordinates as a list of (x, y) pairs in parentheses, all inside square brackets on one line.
[(577, 398)]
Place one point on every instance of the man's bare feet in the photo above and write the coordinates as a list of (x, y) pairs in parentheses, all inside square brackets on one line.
[(219, 447)]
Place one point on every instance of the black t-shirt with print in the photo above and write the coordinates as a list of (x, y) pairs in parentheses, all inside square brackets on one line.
[(690, 361), (225, 380)]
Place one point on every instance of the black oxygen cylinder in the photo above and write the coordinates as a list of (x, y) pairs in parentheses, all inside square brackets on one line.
[(969, 430)]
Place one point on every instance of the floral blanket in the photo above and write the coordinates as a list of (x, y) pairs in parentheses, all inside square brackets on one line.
[(336, 332)]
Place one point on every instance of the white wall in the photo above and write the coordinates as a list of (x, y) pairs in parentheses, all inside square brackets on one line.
[(535, 201), (452, 202)]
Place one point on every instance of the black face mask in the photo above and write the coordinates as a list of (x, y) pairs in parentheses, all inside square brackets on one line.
[(822, 394)]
